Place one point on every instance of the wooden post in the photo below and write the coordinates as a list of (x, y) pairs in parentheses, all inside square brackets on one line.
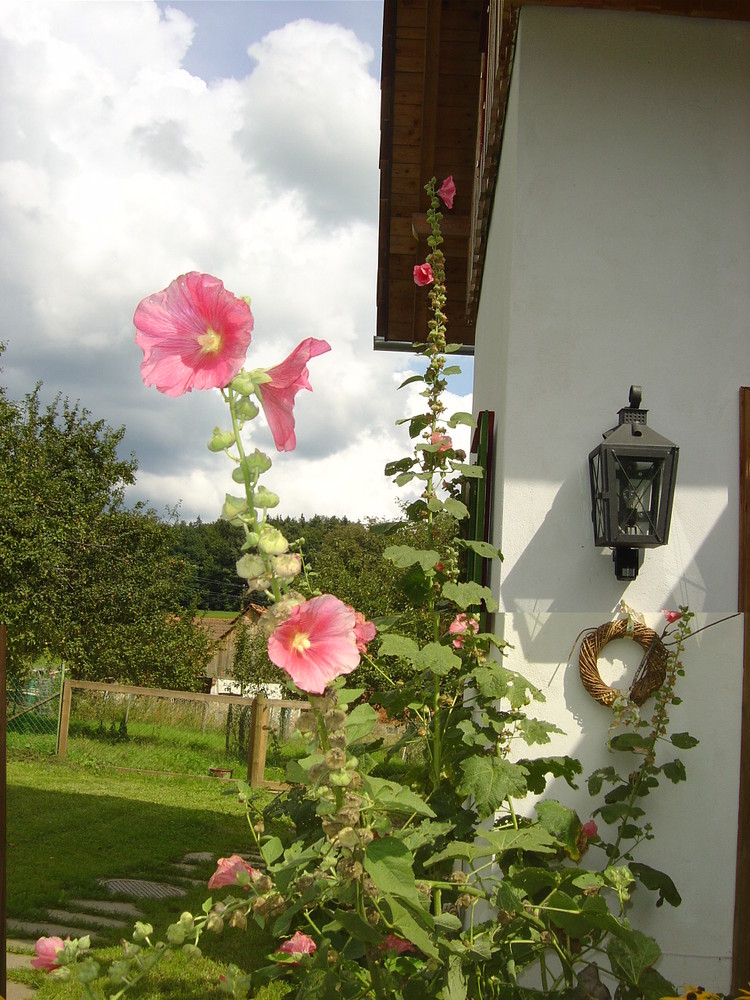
[(256, 744), (3, 816), (62, 736)]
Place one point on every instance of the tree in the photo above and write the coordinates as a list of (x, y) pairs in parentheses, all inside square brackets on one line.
[(82, 578)]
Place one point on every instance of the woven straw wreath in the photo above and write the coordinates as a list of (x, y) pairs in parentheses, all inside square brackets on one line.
[(649, 676)]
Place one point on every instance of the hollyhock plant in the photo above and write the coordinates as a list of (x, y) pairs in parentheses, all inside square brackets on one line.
[(194, 335), (445, 442), (447, 191), (228, 871), (278, 386), (364, 631), (47, 951), (423, 275), (317, 643)]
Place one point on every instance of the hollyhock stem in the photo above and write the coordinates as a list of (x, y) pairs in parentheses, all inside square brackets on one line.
[(250, 482)]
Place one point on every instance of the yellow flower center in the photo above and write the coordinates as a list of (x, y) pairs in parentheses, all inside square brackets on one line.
[(210, 341), (301, 642)]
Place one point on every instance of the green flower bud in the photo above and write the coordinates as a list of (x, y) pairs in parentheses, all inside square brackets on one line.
[(142, 931), (243, 383), (176, 934), (250, 565), (221, 440), (348, 838), (238, 920), (215, 923), (187, 921), (233, 509), (272, 541), (192, 950), (246, 409), (258, 461), (88, 971), (265, 498), (118, 971)]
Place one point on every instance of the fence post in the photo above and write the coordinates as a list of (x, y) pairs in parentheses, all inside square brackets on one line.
[(62, 736), (256, 744)]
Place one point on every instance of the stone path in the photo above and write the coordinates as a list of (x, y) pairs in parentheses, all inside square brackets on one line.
[(89, 916)]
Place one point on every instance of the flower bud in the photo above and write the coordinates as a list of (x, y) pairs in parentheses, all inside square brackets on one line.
[(335, 759), (250, 566), (176, 934), (243, 383), (348, 838), (221, 440), (265, 498), (192, 950), (272, 542), (187, 921), (142, 931), (214, 923), (287, 566), (246, 409), (233, 510), (238, 920)]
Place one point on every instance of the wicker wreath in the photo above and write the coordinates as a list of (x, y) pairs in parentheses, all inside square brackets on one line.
[(650, 674)]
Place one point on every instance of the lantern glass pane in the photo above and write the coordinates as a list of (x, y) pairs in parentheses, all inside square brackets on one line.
[(639, 482), (598, 496)]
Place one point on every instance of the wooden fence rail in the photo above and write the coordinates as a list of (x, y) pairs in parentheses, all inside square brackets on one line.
[(257, 744)]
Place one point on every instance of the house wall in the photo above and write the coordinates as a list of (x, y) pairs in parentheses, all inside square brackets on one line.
[(619, 254)]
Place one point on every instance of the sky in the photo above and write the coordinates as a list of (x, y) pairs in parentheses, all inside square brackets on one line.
[(142, 140)]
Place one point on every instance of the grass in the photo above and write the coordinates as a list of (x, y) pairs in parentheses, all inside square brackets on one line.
[(69, 826)]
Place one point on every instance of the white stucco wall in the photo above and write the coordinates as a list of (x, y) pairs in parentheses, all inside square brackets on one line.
[(619, 253)]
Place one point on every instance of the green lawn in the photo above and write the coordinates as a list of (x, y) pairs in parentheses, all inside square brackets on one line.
[(69, 826)]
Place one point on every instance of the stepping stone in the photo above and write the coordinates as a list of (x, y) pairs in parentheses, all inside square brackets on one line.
[(182, 867), (85, 918), (45, 928), (17, 944), (142, 889), (13, 961), (17, 991), (198, 857), (109, 907)]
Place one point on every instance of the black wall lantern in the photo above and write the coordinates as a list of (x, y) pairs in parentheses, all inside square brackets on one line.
[(633, 474)]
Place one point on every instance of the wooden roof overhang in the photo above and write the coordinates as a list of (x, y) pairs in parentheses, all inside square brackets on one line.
[(445, 77)]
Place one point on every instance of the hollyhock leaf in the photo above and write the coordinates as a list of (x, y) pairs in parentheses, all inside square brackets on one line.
[(562, 823), (632, 955), (490, 780), (483, 549), (536, 731), (402, 465), (355, 926), (402, 646), (456, 509), (407, 555), (530, 838), (393, 797), (683, 741), (271, 850), (451, 370), (411, 379), (656, 881), (360, 723), (496, 681), (467, 471), (194, 334), (675, 771), (462, 418), (466, 595), (438, 659), (388, 862), (404, 478), (460, 851)]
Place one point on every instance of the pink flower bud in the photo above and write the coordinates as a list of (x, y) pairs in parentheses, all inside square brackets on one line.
[(671, 616), (590, 829)]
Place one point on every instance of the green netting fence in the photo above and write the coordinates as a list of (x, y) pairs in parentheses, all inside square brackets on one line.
[(33, 710)]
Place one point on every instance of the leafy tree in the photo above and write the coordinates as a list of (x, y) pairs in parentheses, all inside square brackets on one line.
[(82, 578)]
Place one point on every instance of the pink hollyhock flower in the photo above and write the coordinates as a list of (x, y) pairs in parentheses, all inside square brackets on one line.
[(277, 395), (671, 616), (298, 945), (443, 440), (316, 643), (364, 631), (194, 335), (461, 626), (423, 275), (393, 943), (590, 829), (47, 949), (228, 870), (448, 191)]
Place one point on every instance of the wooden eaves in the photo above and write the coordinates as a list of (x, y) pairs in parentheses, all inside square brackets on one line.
[(445, 76)]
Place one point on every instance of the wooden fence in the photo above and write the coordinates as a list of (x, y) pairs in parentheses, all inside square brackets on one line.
[(257, 743)]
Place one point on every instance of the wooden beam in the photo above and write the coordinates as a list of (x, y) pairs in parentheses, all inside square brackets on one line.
[(741, 942)]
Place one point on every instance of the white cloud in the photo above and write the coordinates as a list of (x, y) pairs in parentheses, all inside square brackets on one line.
[(119, 170)]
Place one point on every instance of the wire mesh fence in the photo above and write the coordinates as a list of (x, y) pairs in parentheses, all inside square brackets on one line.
[(180, 733), (32, 711)]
